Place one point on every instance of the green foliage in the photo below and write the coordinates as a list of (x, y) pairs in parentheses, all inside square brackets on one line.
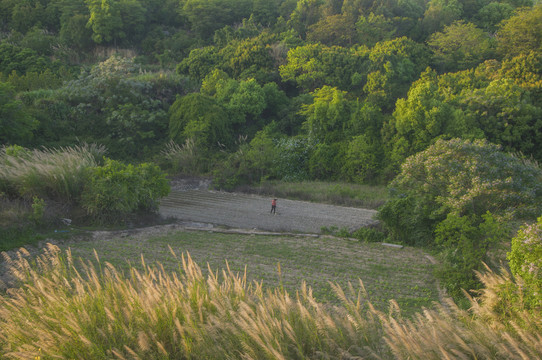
[(373, 29), (460, 46), (234, 169), (408, 220), (247, 102), (424, 116), (521, 33), (305, 14), (440, 13), (292, 158), (38, 210), (393, 64), (199, 117), (313, 66), (509, 115), (464, 242), (113, 21), (16, 125), (468, 178), (328, 115), (333, 30), (456, 195), (491, 15), (250, 58), (22, 60), (34, 81), (525, 259), (74, 31), (369, 235), (497, 102), (200, 62), (325, 161), (112, 104), (363, 159), (115, 190), (206, 16)]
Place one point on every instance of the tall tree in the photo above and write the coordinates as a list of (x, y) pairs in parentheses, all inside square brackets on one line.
[(207, 16), (459, 46), (306, 13), (440, 13), (112, 21), (522, 33), (16, 125), (328, 115)]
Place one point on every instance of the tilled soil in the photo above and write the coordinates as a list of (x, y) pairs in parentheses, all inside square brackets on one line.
[(253, 212)]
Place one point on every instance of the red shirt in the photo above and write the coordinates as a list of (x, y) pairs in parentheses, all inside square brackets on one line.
[(274, 202)]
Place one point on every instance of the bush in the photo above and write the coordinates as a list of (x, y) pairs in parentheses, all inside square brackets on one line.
[(455, 196), (463, 178), (526, 263), (369, 235), (115, 189)]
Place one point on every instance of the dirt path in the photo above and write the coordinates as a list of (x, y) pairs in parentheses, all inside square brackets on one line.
[(253, 212)]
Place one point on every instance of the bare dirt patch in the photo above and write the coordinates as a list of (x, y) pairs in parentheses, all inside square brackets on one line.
[(253, 212)]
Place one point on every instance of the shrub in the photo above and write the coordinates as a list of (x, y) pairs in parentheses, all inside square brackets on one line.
[(369, 235), (462, 178), (38, 210), (115, 189), (453, 196), (525, 259)]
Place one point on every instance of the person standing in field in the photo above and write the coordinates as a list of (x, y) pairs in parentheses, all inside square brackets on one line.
[(273, 206)]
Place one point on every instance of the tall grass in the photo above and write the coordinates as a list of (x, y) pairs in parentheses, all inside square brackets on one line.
[(183, 158), (94, 311), (449, 332), (101, 313), (48, 173), (357, 195)]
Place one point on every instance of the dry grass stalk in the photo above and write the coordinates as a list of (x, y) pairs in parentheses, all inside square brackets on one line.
[(68, 310), (51, 173)]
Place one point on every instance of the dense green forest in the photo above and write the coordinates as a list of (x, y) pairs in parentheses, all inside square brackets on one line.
[(441, 99), (308, 89)]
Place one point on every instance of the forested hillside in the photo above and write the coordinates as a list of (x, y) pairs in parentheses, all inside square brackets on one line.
[(279, 89)]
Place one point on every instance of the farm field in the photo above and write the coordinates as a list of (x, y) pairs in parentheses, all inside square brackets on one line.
[(252, 212), (387, 273)]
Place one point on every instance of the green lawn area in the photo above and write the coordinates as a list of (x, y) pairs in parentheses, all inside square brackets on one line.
[(335, 193), (387, 273)]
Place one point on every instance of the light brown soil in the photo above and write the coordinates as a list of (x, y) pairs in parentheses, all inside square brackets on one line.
[(253, 212)]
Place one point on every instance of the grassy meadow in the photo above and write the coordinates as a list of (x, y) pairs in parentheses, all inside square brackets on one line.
[(387, 273), (335, 193)]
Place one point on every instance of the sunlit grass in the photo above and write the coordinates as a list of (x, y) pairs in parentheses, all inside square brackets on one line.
[(94, 311), (345, 194), (388, 273), (49, 173)]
